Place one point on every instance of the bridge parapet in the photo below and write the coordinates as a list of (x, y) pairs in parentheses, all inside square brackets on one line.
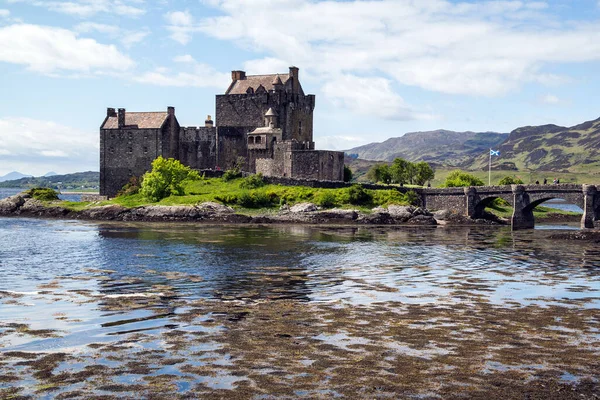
[(524, 198)]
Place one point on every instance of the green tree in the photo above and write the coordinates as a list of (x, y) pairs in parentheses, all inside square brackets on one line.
[(401, 171), (347, 174), (424, 173), (380, 173), (166, 178), (461, 179), (509, 180)]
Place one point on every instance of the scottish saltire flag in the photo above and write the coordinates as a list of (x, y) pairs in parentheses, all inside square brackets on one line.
[(494, 152)]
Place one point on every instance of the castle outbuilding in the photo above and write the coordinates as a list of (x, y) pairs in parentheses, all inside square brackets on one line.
[(266, 120)]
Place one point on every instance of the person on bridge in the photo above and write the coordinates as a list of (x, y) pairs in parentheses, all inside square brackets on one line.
[(537, 182), (545, 181)]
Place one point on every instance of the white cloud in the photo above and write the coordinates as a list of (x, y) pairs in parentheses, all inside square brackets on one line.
[(484, 48), (186, 58), (180, 24), (36, 147), (127, 37), (88, 8), (50, 50), (339, 142), (549, 99), (370, 96), (200, 75), (4, 13)]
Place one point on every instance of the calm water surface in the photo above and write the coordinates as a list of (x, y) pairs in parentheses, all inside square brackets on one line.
[(293, 311)]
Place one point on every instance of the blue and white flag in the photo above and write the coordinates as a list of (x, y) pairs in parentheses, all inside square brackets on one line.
[(494, 152)]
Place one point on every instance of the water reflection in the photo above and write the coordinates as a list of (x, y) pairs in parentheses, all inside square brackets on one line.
[(220, 307)]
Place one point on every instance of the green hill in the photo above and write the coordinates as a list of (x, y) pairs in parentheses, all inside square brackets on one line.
[(78, 180)]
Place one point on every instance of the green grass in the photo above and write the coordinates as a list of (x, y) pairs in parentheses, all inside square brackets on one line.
[(529, 177), (262, 199)]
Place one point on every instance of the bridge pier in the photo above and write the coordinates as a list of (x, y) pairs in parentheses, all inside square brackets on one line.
[(471, 200), (522, 217), (591, 206)]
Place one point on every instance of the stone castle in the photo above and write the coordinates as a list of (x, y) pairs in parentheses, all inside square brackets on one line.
[(266, 120)]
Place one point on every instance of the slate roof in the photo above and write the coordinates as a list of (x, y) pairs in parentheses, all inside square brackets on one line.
[(143, 120), (254, 81)]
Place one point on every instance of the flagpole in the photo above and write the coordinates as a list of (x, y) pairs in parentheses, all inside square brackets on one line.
[(490, 170)]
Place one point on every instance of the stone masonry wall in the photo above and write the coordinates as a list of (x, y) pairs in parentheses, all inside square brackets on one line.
[(198, 147), (125, 153)]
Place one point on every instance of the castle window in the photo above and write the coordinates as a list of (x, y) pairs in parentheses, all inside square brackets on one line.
[(130, 135), (145, 149), (250, 91), (299, 128), (257, 140), (146, 136), (112, 135), (111, 150), (251, 139), (130, 149)]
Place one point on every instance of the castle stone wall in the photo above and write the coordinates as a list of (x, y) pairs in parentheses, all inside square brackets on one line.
[(198, 147)]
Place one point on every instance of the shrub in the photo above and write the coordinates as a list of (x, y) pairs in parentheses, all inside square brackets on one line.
[(231, 174), (131, 187), (43, 194), (461, 179), (413, 198), (326, 199), (387, 197), (509, 180), (252, 182), (256, 199), (166, 178), (358, 195)]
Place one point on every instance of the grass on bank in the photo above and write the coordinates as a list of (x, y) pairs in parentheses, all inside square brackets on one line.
[(252, 194)]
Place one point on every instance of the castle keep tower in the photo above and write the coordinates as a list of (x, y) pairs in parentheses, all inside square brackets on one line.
[(243, 107)]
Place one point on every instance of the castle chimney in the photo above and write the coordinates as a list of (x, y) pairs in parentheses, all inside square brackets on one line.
[(238, 75), (171, 111), (121, 118), (209, 122), (295, 82), (110, 112)]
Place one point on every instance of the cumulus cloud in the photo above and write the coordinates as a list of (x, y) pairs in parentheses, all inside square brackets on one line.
[(4, 13), (181, 26), (484, 48), (36, 147), (88, 8), (50, 50), (549, 99), (127, 37), (198, 75), (339, 142), (368, 96)]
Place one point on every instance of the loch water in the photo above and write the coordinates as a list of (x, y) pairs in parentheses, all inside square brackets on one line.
[(118, 309)]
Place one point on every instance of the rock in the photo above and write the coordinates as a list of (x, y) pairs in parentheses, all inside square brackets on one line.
[(213, 207), (395, 210), (105, 213), (33, 206), (337, 214), (165, 213), (303, 208), (422, 220), (12, 203)]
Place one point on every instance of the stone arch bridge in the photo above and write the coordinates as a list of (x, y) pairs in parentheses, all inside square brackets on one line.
[(471, 201)]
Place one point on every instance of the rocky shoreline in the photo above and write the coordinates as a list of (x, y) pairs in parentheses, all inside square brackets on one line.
[(23, 205)]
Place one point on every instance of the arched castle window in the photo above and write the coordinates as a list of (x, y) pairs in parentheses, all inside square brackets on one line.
[(257, 139), (250, 139)]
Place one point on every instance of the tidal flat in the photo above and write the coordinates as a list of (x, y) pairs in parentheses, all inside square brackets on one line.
[(123, 311)]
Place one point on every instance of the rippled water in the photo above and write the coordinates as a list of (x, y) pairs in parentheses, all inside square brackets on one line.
[(293, 310)]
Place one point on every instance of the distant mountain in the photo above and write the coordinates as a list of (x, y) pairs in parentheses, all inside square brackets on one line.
[(12, 176), (51, 173), (78, 180), (440, 146), (550, 148)]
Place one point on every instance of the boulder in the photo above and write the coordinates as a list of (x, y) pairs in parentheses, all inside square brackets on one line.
[(12, 203), (105, 213), (213, 207), (303, 208), (422, 220)]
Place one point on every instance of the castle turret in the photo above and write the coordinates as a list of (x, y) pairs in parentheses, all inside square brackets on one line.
[(271, 118), (294, 76)]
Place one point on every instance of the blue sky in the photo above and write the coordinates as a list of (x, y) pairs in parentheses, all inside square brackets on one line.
[(379, 68)]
